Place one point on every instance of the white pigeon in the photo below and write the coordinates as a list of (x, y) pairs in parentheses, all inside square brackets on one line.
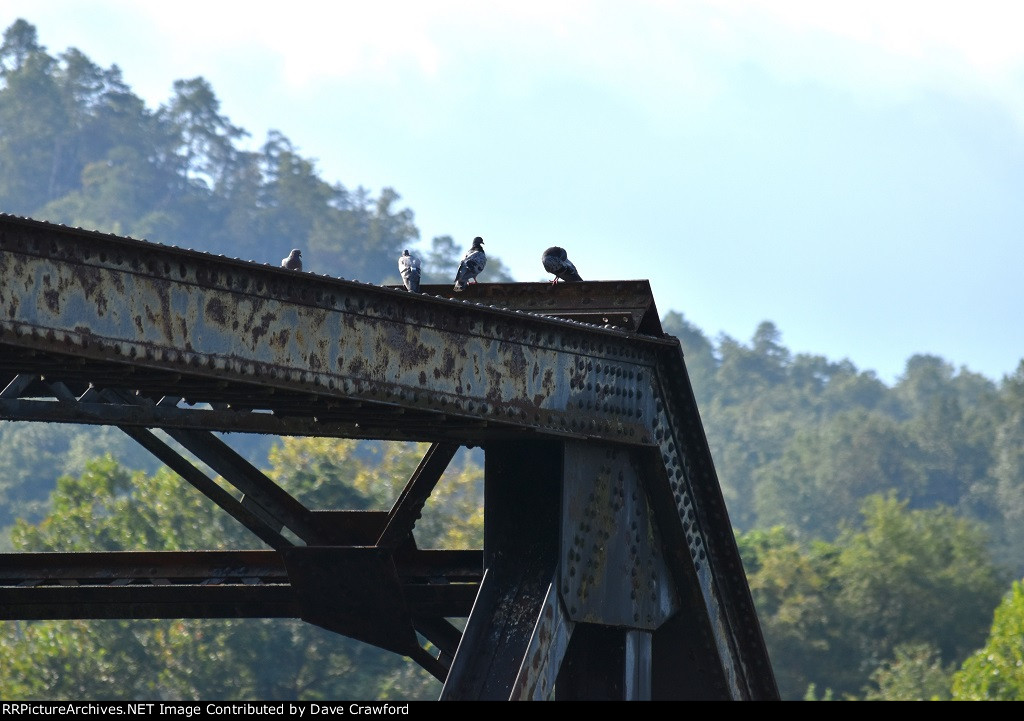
[(293, 261), (409, 267), (472, 264), (556, 261)]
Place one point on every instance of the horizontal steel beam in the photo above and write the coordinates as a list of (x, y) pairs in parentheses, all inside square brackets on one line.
[(213, 584), (99, 297), (214, 405)]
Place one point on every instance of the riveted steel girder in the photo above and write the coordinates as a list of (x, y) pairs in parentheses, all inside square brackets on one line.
[(102, 298)]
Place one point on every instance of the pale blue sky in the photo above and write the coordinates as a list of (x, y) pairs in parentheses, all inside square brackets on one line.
[(851, 171)]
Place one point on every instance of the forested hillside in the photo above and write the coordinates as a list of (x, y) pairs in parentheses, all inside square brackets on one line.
[(881, 526)]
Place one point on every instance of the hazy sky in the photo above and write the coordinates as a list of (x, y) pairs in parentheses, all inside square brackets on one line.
[(851, 171)]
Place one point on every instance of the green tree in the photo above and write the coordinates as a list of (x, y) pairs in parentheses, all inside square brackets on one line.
[(826, 470), (442, 261), (792, 592), (914, 576), (297, 209), (78, 148), (852, 617), (949, 416), (117, 194), (915, 673), (33, 122), (203, 140), (329, 473), (999, 497), (35, 454), (996, 671)]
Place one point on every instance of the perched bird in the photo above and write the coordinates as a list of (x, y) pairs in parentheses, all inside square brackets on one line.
[(472, 264), (557, 262), (409, 267), (293, 261)]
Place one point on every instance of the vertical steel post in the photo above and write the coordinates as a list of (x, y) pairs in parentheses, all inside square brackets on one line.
[(522, 515)]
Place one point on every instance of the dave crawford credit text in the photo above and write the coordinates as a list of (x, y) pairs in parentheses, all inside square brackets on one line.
[(310, 708)]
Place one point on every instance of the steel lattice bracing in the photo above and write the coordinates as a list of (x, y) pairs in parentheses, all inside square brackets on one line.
[(609, 567)]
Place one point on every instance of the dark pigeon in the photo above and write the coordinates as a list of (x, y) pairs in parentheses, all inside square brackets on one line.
[(409, 267), (472, 264), (293, 261), (556, 261)]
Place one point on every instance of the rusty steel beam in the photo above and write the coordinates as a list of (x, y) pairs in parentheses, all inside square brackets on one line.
[(109, 299), (260, 494), (292, 416), (249, 517)]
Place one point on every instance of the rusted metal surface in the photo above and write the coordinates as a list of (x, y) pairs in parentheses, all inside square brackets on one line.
[(612, 570), (113, 331), (101, 298)]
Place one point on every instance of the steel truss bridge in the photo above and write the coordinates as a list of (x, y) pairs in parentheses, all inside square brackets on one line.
[(609, 569)]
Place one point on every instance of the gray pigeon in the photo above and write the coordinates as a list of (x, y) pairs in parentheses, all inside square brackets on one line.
[(557, 262), (293, 261), (472, 264), (409, 267)]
